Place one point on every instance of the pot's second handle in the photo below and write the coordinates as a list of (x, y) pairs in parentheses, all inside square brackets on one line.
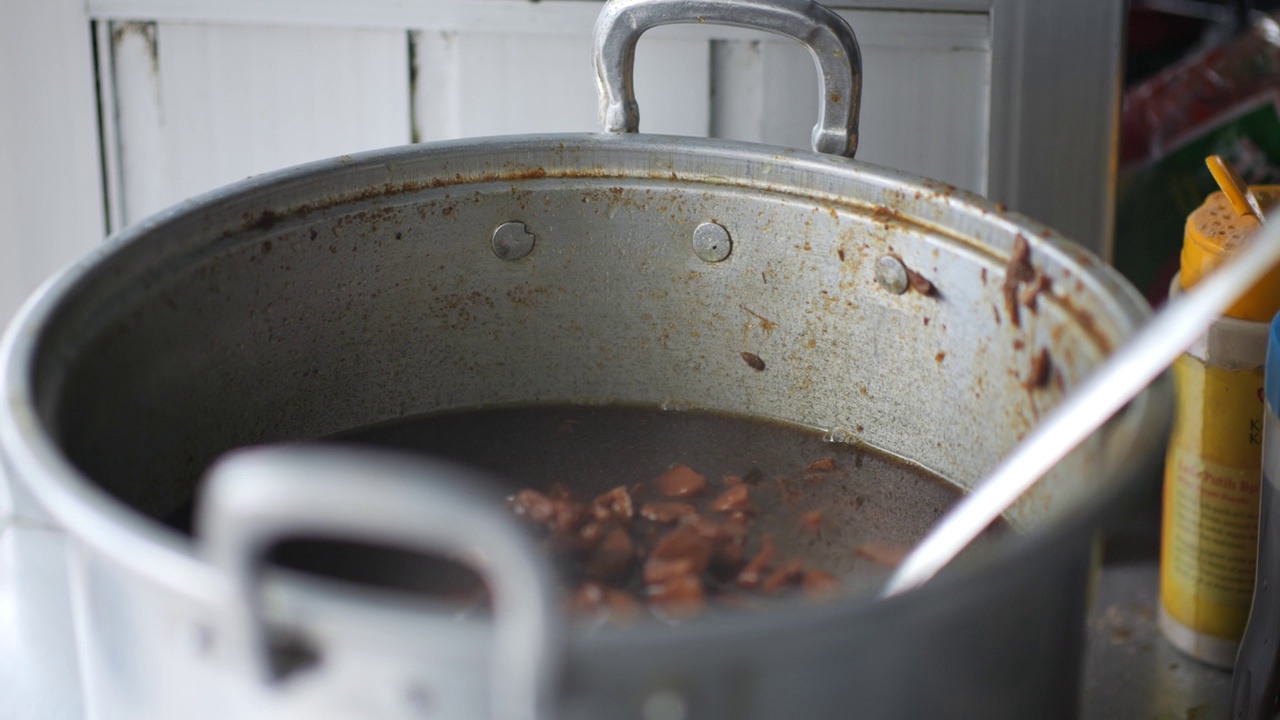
[(254, 499), (826, 34)]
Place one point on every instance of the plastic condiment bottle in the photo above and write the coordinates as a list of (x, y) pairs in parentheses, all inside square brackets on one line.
[(1256, 682), (1208, 543)]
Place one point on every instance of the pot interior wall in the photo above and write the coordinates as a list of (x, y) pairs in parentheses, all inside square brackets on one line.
[(364, 290)]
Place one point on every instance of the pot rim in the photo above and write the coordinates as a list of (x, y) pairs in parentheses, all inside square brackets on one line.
[(147, 548)]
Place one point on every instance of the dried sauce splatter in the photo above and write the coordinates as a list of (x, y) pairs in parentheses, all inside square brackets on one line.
[(1018, 271), (1041, 370)]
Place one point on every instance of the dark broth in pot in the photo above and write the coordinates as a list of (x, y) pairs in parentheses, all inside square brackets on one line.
[(834, 508)]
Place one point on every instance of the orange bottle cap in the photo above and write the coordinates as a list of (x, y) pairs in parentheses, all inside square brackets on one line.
[(1215, 231)]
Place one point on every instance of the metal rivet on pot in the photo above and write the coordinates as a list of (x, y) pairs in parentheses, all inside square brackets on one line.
[(665, 705), (891, 274), (512, 241), (711, 242)]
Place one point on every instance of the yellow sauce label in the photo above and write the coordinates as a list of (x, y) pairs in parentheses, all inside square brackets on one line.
[(1213, 473)]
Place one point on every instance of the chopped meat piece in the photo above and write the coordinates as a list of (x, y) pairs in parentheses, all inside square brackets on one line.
[(665, 513), (682, 544), (613, 556), (590, 534), (886, 554), (533, 505), (680, 597), (681, 481), (752, 574), (811, 520), (659, 571), (691, 549), (566, 517), (615, 504), (727, 539), (788, 574), (736, 499)]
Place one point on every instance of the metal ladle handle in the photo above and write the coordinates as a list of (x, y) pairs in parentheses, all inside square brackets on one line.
[(828, 37), (255, 499)]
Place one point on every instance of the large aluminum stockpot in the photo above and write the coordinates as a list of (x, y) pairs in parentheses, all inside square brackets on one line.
[(574, 268)]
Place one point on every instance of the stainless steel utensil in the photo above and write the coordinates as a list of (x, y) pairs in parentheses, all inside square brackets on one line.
[(1172, 330)]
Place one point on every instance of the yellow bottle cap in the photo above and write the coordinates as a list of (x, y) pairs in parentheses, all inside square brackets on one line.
[(1215, 231)]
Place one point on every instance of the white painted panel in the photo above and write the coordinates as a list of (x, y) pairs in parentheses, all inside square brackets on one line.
[(51, 208), (471, 84), (554, 17), (203, 105), (925, 97)]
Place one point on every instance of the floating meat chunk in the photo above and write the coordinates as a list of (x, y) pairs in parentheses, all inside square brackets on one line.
[(665, 513), (680, 548), (533, 505), (612, 557), (566, 517), (615, 504), (728, 539), (681, 481), (680, 597), (736, 499)]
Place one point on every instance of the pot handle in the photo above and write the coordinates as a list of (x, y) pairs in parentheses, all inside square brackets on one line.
[(826, 34), (253, 499)]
